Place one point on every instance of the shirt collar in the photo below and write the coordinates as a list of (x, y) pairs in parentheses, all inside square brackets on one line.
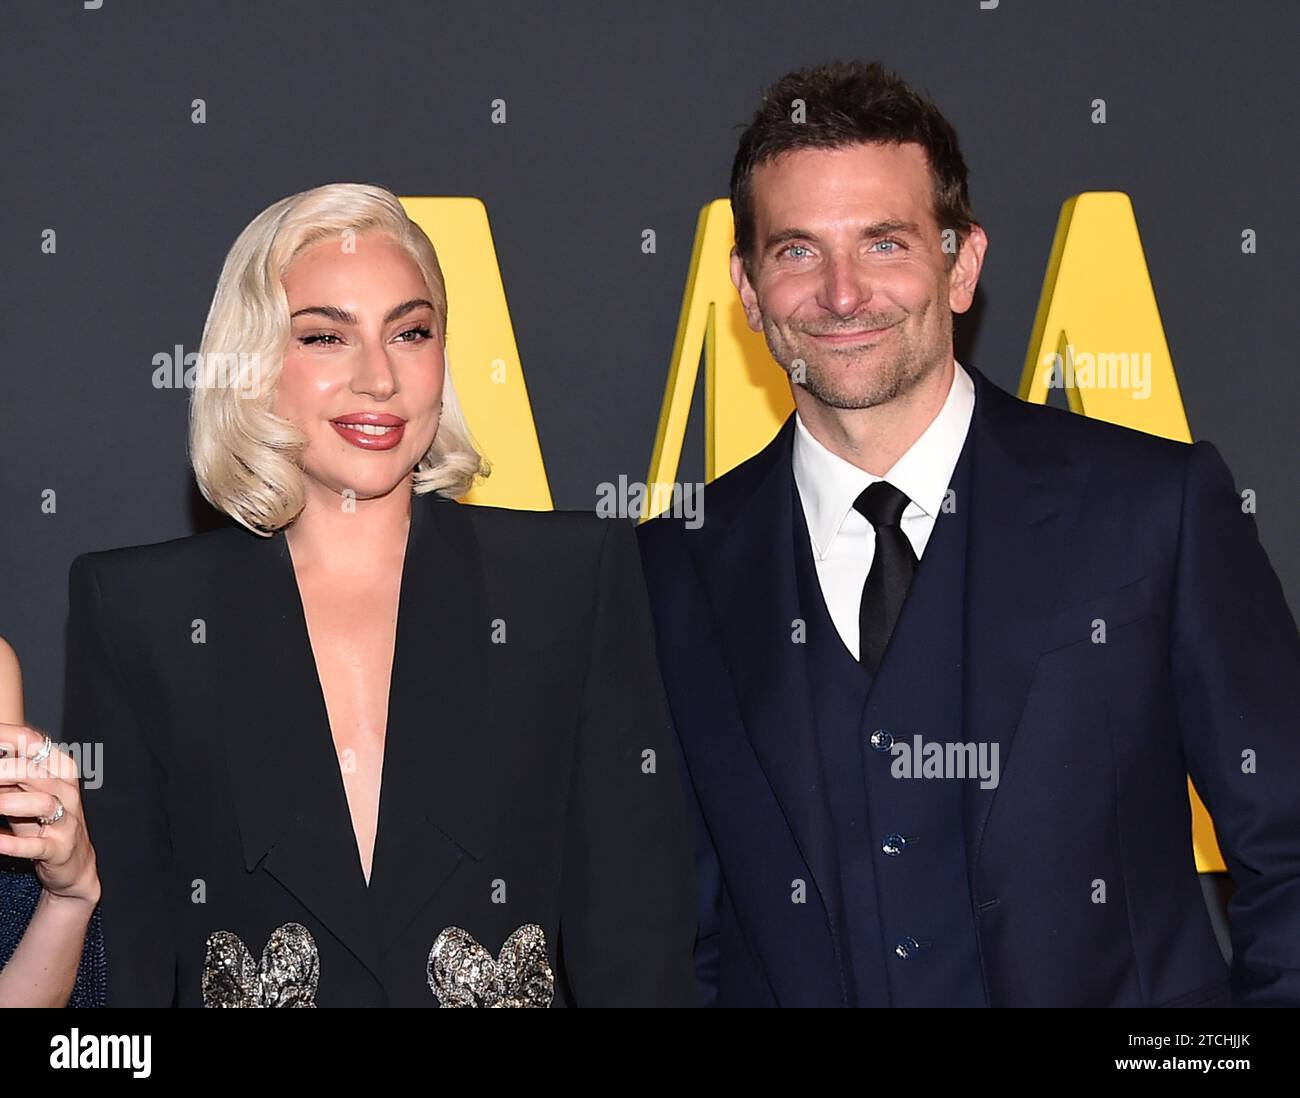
[(828, 484)]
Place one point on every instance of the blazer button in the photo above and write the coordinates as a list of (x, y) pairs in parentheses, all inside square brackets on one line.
[(881, 740), (907, 947), (893, 845)]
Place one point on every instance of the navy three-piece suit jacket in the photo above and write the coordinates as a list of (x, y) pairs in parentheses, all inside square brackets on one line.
[(1071, 522)]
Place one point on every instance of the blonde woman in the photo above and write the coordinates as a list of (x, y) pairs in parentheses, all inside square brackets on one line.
[(367, 746), (51, 947)]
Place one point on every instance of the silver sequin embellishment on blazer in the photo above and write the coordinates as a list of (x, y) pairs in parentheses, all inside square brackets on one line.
[(286, 977), (463, 974)]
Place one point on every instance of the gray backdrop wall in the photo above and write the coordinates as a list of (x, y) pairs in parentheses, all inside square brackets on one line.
[(622, 117)]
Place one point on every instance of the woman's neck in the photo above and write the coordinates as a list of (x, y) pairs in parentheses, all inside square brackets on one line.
[(350, 536)]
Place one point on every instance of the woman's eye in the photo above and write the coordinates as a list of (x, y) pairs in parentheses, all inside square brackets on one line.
[(420, 331), (318, 338)]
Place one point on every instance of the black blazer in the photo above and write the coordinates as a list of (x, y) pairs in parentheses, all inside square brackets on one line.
[(528, 777)]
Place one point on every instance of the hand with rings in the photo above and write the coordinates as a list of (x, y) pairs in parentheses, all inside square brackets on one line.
[(40, 797)]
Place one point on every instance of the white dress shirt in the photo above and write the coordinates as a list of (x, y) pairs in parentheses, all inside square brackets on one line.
[(843, 542)]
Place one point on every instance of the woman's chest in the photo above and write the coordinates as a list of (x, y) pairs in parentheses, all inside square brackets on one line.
[(352, 631)]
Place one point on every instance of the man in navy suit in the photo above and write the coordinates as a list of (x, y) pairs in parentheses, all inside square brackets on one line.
[(939, 661)]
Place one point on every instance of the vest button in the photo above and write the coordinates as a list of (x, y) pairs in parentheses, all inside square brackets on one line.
[(893, 845), (881, 740), (907, 947)]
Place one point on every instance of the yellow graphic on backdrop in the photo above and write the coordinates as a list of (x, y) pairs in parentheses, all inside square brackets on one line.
[(739, 374), (482, 355)]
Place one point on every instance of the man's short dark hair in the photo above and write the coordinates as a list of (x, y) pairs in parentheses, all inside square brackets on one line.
[(849, 103)]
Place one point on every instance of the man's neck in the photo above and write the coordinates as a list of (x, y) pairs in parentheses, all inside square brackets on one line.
[(875, 438)]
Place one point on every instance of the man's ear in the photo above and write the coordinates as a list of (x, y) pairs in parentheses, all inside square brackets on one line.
[(965, 273), (748, 298)]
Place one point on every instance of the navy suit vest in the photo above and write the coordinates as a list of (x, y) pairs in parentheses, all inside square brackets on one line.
[(909, 923)]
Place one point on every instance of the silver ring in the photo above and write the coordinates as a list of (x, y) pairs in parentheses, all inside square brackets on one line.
[(58, 814), (44, 752)]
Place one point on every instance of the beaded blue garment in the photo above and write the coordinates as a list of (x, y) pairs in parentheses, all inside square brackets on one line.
[(19, 891)]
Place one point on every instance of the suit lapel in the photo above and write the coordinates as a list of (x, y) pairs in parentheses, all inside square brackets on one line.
[(435, 788), (749, 570), (1025, 500), (288, 790)]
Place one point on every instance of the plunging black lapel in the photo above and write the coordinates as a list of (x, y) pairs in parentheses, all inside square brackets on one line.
[(435, 787), (288, 790)]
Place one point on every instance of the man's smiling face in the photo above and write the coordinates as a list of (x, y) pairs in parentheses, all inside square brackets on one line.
[(849, 276)]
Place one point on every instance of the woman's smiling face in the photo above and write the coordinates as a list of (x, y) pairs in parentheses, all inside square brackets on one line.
[(363, 372)]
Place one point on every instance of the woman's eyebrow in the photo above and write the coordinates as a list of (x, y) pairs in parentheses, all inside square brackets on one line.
[(405, 307), (343, 316)]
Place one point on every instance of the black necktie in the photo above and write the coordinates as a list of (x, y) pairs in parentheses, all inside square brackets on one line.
[(882, 505)]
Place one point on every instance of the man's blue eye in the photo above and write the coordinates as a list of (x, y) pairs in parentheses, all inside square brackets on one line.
[(793, 247), (894, 242)]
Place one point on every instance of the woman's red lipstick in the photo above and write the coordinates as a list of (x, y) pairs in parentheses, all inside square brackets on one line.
[(370, 430)]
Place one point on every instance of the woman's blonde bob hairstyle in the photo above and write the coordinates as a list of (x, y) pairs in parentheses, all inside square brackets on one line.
[(246, 459)]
